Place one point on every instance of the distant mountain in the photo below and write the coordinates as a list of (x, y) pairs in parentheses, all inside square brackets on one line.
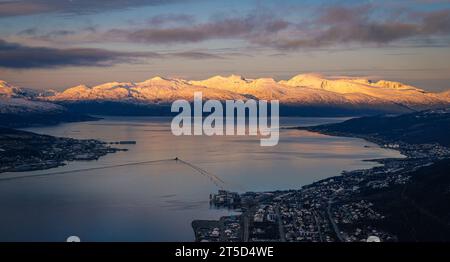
[(445, 95), (305, 90), (18, 112), (394, 92), (23, 106), (303, 95), (18, 107), (154, 90), (19, 100), (429, 126), (8, 90)]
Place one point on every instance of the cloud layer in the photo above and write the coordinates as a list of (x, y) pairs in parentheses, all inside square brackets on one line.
[(14, 55), (342, 25), (332, 26), (329, 27), (17, 56), (235, 27), (30, 7)]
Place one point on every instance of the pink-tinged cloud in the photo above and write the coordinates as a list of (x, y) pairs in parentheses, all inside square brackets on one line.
[(333, 26), (342, 25), (236, 27)]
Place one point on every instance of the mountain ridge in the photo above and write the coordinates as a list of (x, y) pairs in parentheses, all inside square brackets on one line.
[(299, 86), (297, 89), (301, 91)]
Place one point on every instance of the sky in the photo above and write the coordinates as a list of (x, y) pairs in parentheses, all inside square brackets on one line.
[(56, 44)]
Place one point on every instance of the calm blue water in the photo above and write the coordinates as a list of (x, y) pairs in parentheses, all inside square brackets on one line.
[(157, 202)]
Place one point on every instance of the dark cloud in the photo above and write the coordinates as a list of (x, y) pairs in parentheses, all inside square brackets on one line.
[(18, 56), (333, 26), (31, 7), (238, 27), (342, 25), (436, 23)]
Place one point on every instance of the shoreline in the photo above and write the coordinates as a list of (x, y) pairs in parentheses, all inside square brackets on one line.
[(23, 151), (322, 206)]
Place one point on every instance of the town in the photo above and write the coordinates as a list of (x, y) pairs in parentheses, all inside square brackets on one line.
[(25, 151), (330, 210)]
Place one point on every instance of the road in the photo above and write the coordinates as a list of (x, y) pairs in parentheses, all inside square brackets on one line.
[(280, 225), (318, 226), (335, 227), (245, 228)]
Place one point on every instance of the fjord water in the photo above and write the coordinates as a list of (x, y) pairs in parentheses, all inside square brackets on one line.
[(157, 202)]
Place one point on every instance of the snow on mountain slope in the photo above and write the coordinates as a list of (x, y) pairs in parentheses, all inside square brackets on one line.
[(221, 88), (168, 90), (21, 105), (262, 88), (7, 90), (153, 90), (15, 100), (114, 91), (394, 92), (288, 93), (268, 89), (444, 95), (301, 90)]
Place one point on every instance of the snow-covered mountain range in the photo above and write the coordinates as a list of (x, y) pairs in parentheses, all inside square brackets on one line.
[(20, 100), (302, 90), (21, 107)]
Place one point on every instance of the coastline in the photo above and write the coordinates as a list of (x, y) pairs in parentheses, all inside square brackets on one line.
[(26, 151), (322, 205), (273, 203)]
